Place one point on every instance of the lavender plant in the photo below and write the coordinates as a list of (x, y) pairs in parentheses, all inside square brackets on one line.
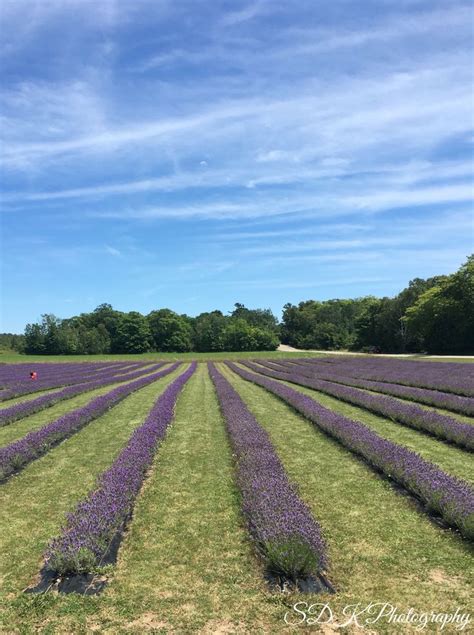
[(441, 426), (89, 530), (457, 378), (16, 382), (16, 455), (25, 408), (448, 496), (436, 398), (281, 525)]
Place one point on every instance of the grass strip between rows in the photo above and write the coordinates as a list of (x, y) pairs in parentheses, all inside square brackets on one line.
[(281, 525), (18, 454), (443, 427), (62, 375), (454, 378), (26, 408), (450, 497), (90, 529), (427, 396)]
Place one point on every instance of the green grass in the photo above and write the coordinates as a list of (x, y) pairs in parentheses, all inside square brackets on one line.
[(186, 564), (14, 358), (28, 397), (381, 547), (18, 429), (34, 503), (449, 458), (40, 393)]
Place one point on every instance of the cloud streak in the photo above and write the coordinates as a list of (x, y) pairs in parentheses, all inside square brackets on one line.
[(165, 140)]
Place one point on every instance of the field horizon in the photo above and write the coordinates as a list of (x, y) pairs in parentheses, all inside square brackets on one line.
[(15, 358)]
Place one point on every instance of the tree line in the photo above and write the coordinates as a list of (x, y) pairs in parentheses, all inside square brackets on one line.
[(434, 315), (106, 330)]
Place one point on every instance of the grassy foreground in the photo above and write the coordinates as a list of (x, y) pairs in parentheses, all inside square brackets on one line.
[(186, 564)]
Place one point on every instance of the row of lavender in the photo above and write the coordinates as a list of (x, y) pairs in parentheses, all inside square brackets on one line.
[(25, 408), (436, 398), (443, 427), (281, 525), (457, 378), (450, 497), (19, 374), (90, 530), (15, 373), (60, 375), (18, 454)]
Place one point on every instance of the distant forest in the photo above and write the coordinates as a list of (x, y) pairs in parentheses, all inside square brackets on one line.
[(434, 315)]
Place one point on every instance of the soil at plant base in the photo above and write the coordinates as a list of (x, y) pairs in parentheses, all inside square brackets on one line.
[(308, 584), (82, 583)]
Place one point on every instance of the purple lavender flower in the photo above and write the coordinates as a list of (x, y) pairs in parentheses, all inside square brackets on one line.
[(26, 408), (450, 497), (441, 426), (19, 453), (436, 398), (90, 529), (280, 523), (15, 380), (457, 378)]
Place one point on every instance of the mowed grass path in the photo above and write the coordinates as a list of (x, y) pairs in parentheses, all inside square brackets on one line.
[(33, 504), (449, 458), (40, 393), (28, 397), (187, 564), (18, 429), (381, 547)]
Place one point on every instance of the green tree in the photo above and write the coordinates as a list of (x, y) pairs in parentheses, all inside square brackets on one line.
[(443, 316), (132, 334), (208, 335), (239, 335), (265, 339), (262, 318), (170, 331), (35, 339), (322, 325)]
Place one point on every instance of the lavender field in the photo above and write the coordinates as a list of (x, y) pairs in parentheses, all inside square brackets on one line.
[(212, 496)]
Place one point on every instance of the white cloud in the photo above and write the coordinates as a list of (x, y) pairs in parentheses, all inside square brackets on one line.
[(252, 10), (23, 19), (113, 251), (397, 28), (351, 119)]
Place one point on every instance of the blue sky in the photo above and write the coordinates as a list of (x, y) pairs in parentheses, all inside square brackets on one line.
[(193, 154)]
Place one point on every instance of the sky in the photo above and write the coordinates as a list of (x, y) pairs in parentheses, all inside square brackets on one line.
[(192, 154)]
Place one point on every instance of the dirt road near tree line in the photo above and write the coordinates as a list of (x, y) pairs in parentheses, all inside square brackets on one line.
[(290, 349)]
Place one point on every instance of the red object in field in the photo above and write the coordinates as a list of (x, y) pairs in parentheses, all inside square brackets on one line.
[(33, 375)]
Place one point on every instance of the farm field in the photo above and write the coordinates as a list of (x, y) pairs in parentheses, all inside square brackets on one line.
[(17, 358), (12, 357), (197, 496)]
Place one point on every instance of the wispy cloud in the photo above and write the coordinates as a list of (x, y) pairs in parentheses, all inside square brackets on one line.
[(191, 143), (113, 251), (253, 9), (291, 232), (350, 117)]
